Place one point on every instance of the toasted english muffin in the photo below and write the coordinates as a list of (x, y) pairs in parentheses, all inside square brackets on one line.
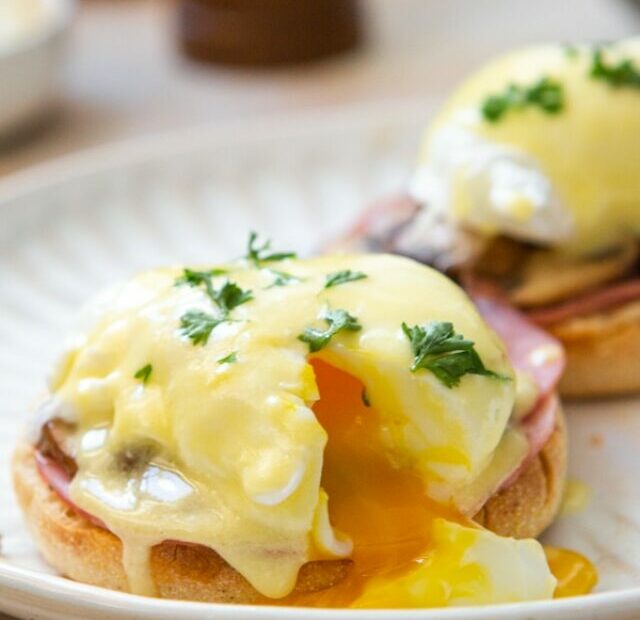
[(602, 352)]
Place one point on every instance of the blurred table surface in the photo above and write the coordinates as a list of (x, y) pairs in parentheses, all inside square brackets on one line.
[(125, 78)]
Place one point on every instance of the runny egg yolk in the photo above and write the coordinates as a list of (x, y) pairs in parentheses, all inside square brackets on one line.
[(385, 512), (575, 574)]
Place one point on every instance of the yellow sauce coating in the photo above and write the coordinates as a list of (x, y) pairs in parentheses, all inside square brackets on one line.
[(275, 455), (587, 151)]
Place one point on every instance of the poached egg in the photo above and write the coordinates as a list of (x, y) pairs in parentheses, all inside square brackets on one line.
[(202, 416), (560, 172)]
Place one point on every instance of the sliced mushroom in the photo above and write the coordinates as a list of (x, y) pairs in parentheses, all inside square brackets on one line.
[(502, 260), (135, 457), (547, 277)]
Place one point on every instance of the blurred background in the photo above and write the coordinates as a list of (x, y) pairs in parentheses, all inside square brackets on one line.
[(77, 74)]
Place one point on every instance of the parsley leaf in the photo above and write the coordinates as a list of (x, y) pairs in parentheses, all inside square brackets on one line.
[(144, 373), (198, 325), (447, 355), (342, 277), (229, 296), (624, 73), (282, 278), (232, 358), (191, 277), (337, 320), (259, 252), (546, 93)]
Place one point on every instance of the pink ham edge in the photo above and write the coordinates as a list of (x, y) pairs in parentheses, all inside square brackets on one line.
[(590, 303), (530, 350), (537, 427), (59, 480)]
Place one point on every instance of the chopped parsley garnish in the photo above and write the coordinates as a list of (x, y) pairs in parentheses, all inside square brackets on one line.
[(198, 325), (230, 296), (226, 297), (191, 277), (449, 356), (342, 277), (144, 373), (282, 278), (622, 73), (337, 320), (232, 358), (258, 253), (546, 93)]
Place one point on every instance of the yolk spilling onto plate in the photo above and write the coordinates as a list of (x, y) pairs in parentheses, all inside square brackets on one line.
[(575, 574), (383, 509)]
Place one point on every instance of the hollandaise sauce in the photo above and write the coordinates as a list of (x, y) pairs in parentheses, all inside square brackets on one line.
[(542, 145), (304, 413)]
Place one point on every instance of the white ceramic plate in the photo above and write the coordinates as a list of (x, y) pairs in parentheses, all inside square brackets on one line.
[(73, 226)]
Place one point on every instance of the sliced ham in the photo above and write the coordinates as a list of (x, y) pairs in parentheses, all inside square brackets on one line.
[(537, 427), (59, 479), (589, 303), (530, 349)]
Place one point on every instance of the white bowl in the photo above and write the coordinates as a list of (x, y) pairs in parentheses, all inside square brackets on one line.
[(30, 65)]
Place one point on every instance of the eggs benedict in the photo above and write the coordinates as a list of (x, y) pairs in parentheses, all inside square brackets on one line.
[(336, 432), (528, 181)]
